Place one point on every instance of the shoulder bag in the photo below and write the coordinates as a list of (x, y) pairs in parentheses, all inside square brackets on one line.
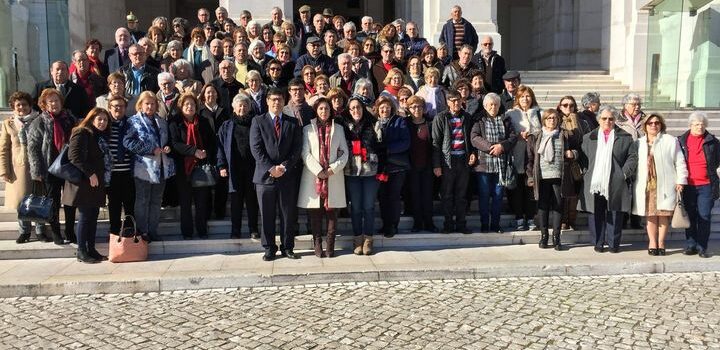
[(62, 168)]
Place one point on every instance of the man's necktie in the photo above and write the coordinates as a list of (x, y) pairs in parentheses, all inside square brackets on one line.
[(277, 127)]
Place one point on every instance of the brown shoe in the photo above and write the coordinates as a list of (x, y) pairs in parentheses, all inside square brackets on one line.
[(358, 245), (368, 245), (317, 246)]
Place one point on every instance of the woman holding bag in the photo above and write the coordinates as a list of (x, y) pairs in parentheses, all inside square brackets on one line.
[(661, 175), (322, 186), (90, 153), (193, 142)]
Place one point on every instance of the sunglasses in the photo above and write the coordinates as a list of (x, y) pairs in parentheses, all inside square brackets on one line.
[(653, 123), (567, 105), (609, 119)]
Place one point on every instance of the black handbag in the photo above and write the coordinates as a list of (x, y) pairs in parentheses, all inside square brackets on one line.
[(36, 207), (62, 168), (203, 176)]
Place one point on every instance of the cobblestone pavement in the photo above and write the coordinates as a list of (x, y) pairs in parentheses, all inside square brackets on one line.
[(666, 311)]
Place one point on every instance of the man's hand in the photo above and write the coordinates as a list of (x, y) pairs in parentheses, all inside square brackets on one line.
[(200, 154), (496, 150), (472, 159), (223, 173), (569, 154), (437, 172), (157, 151), (94, 181), (166, 149)]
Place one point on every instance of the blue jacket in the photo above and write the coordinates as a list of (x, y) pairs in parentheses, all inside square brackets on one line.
[(447, 35), (414, 45), (326, 63), (394, 146), (225, 160), (141, 140)]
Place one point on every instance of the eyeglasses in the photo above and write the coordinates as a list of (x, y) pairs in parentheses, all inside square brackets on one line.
[(487, 44), (568, 105), (415, 107), (116, 106), (274, 68), (608, 119), (653, 123)]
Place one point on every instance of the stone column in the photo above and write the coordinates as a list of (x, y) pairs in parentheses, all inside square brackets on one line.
[(481, 13)]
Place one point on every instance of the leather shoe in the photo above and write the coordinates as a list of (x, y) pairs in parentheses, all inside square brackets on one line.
[(615, 250), (690, 251), (269, 256), (255, 235), (464, 230), (599, 249), (703, 254), (290, 254)]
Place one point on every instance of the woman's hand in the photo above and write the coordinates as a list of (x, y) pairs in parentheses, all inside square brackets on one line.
[(94, 181), (166, 149), (223, 173), (200, 154), (524, 135), (569, 154), (679, 188)]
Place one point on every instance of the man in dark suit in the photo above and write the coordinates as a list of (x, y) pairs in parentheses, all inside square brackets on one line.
[(276, 145), (226, 84), (75, 98), (119, 55)]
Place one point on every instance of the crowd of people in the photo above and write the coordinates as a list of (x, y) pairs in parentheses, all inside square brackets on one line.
[(321, 119)]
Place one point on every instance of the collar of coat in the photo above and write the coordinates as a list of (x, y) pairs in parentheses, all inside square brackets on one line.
[(619, 132)]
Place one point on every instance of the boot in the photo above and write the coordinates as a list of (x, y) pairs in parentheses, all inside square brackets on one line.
[(543, 238), (317, 245), (57, 238), (70, 236), (368, 245), (556, 240), (95, 254), (23, 238), (84, 256), (358, 245), (43, 237), (330, 244)]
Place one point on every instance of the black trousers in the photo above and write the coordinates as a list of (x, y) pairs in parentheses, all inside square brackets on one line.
[(389, 198), (453, 191), (271, 197), (549, 204), (522, 199), (420, 184), (121, 196), (244, 194), (218, 198), (187, 195), (54, 187)]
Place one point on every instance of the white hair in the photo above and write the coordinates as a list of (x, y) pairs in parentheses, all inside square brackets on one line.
[(367, 18), (698, 116), (240, 98), (180, 63), (256, 43), (492, 96), (349, 25), (631, 97), (344, 56), (609, 108), (165, 76)]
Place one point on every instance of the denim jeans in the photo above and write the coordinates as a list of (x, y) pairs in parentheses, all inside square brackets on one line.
[(489, 189), (698, 203), (362, 191), (148, 197)]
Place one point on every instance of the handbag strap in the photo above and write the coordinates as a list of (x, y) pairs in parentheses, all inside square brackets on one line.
[(38, 188), (122, 227)]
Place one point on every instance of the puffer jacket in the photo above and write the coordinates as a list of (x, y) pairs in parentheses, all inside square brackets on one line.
[(40, 147)]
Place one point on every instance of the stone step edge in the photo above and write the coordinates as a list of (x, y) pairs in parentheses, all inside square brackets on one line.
[(199, 280)]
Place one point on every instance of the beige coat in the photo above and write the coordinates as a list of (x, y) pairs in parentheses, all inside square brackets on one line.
[(308, 197), (13, 164)]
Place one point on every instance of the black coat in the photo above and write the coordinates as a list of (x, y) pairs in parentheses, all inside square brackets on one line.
[(216, 118), (75, 98), (234, 135), (226, 91), (711, 148), (112, 60), (493, 73), (180, 148), (85, 154)]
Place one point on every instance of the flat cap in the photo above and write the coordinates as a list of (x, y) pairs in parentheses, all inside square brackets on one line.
[(510, 75), (304, 8), (328, 12), (313, 40)]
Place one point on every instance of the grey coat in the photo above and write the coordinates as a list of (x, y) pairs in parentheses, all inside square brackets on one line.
[(624, 165), (41, 150)]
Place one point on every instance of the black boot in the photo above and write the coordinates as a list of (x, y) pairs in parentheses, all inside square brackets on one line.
[(84, 256), (57, 238), (556, 240), (543, 238), (42, 236), (95, 254), (23, 238)]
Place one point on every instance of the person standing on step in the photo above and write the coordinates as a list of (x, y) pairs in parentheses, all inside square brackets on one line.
[(276, 145), (14, 168), (452, 157), (46, 136), (609, 157), (549, 149), (121, 189), (567, 109), (632, 120), (322, 186), (89, 152)]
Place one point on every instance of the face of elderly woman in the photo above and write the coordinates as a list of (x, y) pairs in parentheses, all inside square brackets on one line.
[(324, 111), (491, 107), (365, 90), (254, 83), (652, 126), (242, 109), (174, 53), (21, 107), (525, 101), (632, 107), (101, 121), (182, 72), (593, 107), (258, 52), (431, 80), (607, 120), (93, 51), (396, 80), (697, 128), (551, 122), (53, 104), (117, 86), (356, 109), (149, 106), (385, 110), (188, 109), (166, 87)]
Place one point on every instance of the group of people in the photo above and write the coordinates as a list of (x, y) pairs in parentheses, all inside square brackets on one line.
[(318, 116)]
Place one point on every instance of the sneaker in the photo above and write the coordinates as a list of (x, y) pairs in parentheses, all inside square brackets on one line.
[(521, 225), (531, 225)]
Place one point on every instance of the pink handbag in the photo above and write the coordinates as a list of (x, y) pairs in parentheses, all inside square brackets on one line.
[(127, 245)]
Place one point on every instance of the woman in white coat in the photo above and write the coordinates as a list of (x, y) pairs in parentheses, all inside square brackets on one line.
[(661, 174), (322, 185)]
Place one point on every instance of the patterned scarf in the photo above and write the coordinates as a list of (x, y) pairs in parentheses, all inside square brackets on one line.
[(321, 185), (107, 158), (193, 139), (494, 133)]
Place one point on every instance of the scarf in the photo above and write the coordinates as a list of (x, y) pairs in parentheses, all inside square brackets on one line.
[(430, 97), (547, 145), (59, 136), (388, 66), (321, 185), (366, 101), (193, 139), (392, 90), (310, 89), (204, 53), (84, 82), (652, 172), (107, 158), (600, 181)]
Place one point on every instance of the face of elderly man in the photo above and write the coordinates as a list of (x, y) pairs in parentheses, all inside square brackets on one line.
[(345, 65), (137, 56), (59, 72), (122, 38), (227, 71), (220, 14)]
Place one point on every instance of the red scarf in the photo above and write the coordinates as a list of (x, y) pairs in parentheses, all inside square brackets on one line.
[(59, 136), (321, 185), (85, 84), (388, 66), (193, 139), (310, 89), (392, 90)]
